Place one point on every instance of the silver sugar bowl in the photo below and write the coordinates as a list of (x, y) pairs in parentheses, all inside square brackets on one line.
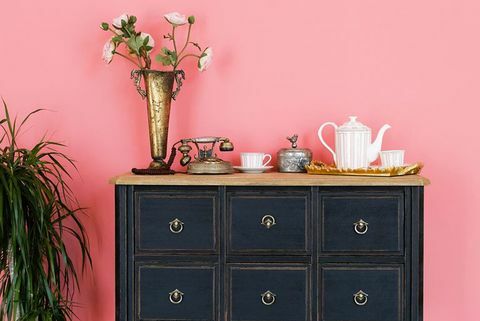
[(293, 160)]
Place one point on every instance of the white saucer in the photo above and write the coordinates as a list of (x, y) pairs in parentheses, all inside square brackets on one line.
[(253, 170)]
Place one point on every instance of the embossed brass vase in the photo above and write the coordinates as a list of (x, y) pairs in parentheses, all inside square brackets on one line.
[(159, 94)]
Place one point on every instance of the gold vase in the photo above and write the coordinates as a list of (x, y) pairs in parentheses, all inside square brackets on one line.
[(159, 94)]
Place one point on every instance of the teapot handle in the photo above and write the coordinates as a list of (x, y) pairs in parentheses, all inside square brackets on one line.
[(320, 130)]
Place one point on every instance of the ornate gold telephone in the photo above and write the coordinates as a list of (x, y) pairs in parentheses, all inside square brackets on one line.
[(206, 161)]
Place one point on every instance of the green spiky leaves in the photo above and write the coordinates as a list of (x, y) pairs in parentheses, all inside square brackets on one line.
[(38, 211)]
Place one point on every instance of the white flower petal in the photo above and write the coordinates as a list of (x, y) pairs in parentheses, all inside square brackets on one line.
[(108, 50), (206, 59), (117, 22), (176, 18)]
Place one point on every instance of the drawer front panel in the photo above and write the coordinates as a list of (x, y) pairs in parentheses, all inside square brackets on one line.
[(362, 224), (269, 224), (175, 223), (176, 292), (359, 293), (251, 290)]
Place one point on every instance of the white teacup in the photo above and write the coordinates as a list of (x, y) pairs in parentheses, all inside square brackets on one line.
[(254, 160), (392, 158)]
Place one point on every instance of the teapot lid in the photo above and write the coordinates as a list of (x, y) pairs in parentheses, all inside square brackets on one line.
[(353, 126)]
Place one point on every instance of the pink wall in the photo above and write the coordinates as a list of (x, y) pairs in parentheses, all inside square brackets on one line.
[(280, 67)]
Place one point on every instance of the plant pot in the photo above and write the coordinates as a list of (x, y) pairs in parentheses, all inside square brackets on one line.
[(159, 94)]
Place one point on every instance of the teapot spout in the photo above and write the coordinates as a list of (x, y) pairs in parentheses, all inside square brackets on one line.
[(376, 146)]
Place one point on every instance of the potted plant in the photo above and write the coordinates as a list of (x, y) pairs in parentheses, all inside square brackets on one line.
[(136, 47), (37, 212)]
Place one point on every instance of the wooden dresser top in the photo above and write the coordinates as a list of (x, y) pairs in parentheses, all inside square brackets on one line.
[(268, 179)]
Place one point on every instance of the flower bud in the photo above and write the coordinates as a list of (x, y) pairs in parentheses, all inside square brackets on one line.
[(191, 20), (104, 26)]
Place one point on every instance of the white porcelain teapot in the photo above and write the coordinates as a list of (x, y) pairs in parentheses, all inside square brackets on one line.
[(353, 144)]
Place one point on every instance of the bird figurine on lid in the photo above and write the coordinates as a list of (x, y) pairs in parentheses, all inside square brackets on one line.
[(293, 159)]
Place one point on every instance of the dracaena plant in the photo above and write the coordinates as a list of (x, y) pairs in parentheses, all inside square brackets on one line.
[(136, 46), (38, 211)]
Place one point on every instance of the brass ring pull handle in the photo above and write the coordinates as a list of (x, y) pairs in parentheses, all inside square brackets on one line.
[(268, 221), (360, 227), (360, 298), (268, 298), (176, 226), (176, 296)]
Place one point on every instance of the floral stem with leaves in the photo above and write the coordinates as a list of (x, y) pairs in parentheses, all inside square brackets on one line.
[(139, 45), (175, 57)]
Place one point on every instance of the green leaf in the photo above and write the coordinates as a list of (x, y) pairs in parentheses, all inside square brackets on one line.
[(135, 43), (146, 40), (164, 60), (173, 57), (104, 26), (117, 39), (170, 55), (166, 51)]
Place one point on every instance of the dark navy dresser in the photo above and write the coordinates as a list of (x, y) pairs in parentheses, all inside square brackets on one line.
[(269, 247)]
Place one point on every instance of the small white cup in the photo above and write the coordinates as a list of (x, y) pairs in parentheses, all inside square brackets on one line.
[(255, 160), (392, 158)]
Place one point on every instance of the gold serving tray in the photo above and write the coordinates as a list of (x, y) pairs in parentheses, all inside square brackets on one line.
[(320, 168)]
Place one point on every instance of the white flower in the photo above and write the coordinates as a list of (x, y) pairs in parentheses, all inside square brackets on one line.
[(176, 18), (108, 50), (117, 22), (206, 59), (151, 42)]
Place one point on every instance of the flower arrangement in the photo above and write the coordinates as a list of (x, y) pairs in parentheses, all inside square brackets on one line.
[(139, 45)]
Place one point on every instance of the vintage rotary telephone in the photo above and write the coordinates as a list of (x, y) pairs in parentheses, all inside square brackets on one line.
[(206, 161)]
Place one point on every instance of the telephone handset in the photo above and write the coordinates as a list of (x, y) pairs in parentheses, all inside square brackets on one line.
[(206, 161)]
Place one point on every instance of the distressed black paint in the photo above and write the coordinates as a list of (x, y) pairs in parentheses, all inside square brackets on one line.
[(313, 258)]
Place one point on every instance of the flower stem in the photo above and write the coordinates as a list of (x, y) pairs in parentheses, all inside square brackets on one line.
[(179, 59), (173, 39), (139, 64), (188, 39), (139, 61), (131, 60), (189, 55)]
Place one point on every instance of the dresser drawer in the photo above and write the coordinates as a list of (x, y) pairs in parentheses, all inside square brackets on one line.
[(175, 223), (268, 293), (176, 292), (362, 223), (356, 293), (268, 223)]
